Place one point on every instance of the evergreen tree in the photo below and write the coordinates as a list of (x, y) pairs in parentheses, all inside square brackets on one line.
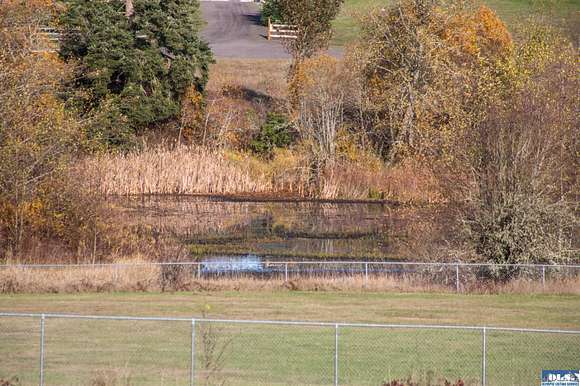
[(134, 69)]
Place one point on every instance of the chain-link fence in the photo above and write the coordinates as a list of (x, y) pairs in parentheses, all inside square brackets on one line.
[(53, 349), (184, 275)]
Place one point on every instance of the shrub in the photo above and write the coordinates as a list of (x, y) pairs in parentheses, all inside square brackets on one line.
[(276, 132), (519, 229), (271, 10), (522, 156)]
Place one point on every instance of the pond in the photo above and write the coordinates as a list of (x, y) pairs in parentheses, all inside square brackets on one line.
[(287, 230)]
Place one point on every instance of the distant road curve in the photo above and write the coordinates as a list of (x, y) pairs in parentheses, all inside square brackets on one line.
[(233, 30)]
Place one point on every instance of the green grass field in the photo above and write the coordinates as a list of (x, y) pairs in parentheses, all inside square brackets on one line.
[(511, 11), (506, 310), (155, 353)]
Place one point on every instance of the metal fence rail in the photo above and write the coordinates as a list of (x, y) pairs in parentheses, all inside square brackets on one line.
[(90, 349), (458, 276)]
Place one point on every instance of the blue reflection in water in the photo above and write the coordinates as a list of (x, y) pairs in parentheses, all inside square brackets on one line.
[(218, 264)]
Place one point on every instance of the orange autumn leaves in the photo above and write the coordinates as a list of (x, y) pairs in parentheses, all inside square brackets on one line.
[(480, 34)]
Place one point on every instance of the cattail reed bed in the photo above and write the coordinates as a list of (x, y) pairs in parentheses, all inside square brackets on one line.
[(199, 170), (160, 278), (179, 170)]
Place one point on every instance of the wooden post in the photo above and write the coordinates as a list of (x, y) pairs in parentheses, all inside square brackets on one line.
[(269, 28), (129, 9)]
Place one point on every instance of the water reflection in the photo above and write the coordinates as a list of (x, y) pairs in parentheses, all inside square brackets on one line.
[(221, 264), (214, 227)]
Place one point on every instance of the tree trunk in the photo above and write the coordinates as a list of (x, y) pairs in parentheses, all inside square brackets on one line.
[(129, 9)]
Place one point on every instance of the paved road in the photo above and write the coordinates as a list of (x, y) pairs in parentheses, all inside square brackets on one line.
[(234, 31)]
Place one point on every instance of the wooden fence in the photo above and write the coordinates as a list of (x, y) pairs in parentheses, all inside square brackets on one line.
[(281, 31), (46, 40)]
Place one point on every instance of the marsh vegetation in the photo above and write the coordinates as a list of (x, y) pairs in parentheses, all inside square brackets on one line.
[(456, 129)]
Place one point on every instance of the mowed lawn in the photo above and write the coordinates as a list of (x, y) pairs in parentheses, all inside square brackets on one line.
[(563, 12), (159, 353)]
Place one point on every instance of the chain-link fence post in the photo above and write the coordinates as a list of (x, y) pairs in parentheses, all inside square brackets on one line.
[(543, 276), (192, 369), (483, 356), (286, 272), (42, 319), (457, 277), (366, 273), (336, 355)]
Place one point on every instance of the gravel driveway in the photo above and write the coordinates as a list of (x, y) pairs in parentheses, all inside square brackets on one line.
[(234, 31)]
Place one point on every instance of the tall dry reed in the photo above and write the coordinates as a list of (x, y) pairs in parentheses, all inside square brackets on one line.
[(179, 170), (409, 182), (201, 170)]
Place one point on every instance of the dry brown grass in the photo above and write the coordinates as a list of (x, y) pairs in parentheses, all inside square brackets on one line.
[(149, 278), (265, 76), (409, 182), (196, 170), (179, 170), (522, 286), (201, 170)]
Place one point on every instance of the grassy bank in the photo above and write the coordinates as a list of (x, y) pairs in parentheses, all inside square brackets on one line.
[(562, 13), (128, 352)]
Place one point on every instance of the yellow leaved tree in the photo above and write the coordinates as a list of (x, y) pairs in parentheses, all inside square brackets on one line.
[(39, 139)]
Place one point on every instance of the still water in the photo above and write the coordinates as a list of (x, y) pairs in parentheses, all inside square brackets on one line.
[(211, 227)]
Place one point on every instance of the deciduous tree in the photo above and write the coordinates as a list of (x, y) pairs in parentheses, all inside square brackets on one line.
[(522, 155), (39, 139), (313, 20), (416, 59)]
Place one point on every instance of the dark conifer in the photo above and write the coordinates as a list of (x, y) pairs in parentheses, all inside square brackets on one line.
[(134, 70)]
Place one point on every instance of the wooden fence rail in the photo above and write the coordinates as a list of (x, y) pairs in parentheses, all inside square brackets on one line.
[(47, 39), (281, 31)]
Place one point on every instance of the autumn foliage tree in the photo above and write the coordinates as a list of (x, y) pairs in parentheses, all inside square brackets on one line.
[(313, 20), (447, 84), (416, 58), (321, 104), (38, 139)]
